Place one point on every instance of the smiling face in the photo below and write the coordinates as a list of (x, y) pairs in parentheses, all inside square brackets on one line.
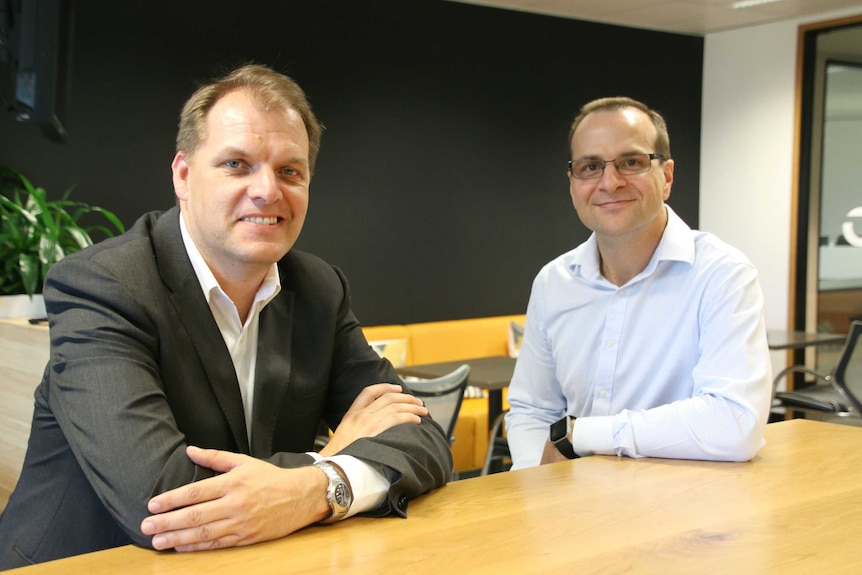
[(629, 208), (244, 192)]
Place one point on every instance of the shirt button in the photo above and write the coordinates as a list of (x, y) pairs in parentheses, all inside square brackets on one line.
[(610, 343), (603, 394)]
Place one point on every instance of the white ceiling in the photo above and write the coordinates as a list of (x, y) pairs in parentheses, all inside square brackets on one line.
[(696, 17)]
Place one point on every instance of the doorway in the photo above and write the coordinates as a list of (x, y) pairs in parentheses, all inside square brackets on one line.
[(827, 290)]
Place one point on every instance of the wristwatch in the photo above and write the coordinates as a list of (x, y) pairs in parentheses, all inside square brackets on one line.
[(338, 493), (560, 430)]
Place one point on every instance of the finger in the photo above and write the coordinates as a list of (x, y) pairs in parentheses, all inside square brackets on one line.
[(197, 492), (369, 418), (217, 460), (396, 398), (370, 393), (392, 415), (398, 406), (193, 517), (212, 535)]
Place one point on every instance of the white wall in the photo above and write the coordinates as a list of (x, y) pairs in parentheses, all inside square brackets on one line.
[(746, 167)]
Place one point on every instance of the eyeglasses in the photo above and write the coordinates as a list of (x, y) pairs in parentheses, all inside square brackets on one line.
[(629, 165)]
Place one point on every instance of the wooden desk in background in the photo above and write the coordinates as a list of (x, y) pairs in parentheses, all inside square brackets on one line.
[(794, 509), (24, 350)]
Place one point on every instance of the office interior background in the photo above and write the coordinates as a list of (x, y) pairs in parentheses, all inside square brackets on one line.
[(440, 189)]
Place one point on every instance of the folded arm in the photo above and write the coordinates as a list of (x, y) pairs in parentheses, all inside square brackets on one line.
[(714, 410)]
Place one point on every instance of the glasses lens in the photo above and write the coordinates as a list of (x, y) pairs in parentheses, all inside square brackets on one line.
[(587, 169), (631, 165)]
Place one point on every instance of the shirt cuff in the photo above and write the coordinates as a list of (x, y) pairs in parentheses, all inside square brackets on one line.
[(603, 435), (367, 482)]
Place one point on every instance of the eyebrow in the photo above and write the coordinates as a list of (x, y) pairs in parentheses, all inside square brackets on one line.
[(230, 152), (623, 155), (233, 151)]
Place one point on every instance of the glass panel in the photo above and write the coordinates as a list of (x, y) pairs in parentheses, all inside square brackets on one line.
[(840, 249)]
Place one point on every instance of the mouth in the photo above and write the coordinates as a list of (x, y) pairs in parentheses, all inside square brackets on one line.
[(267, 221), (613, 203)]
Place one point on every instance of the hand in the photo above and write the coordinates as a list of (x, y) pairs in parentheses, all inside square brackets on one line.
[(551, 454), (377, 408), (251, 501)]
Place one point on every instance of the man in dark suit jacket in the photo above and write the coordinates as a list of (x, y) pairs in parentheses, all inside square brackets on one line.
[(193, 358)]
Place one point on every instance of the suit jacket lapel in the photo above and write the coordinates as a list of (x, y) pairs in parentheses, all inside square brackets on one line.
[(200, 326), (272, 371)]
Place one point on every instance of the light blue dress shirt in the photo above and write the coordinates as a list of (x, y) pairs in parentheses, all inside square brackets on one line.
[(673, 364)]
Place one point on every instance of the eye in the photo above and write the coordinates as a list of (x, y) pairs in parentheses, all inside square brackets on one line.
[(233, 164), (633, 163), (293, 173)]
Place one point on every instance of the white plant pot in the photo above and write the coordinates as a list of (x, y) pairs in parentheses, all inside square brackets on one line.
[(22, 306)]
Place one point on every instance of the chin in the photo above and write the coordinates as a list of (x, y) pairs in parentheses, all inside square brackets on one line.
[(269, 254)]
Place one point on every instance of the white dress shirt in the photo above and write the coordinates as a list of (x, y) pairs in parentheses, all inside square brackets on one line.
[(673, 364), (369, 485)]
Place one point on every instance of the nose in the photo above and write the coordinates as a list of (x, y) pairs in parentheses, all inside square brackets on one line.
[(611, 179), (264, 186)]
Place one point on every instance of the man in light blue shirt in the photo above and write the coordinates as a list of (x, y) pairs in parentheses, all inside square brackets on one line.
[(648, 339)]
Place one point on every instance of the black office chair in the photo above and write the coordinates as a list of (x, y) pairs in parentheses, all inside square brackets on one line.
[(442, 396), (497, 458), (838, 393)]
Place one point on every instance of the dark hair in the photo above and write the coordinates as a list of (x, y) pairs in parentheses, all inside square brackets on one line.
[(270, 89), (662, 143)]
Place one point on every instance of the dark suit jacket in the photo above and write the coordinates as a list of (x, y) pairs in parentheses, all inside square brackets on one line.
[(138, 370)]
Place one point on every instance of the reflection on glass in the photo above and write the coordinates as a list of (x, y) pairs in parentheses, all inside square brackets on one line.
[(840, 206)]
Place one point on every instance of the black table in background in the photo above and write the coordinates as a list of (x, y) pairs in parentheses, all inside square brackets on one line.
[(799, 339), (492, 373)]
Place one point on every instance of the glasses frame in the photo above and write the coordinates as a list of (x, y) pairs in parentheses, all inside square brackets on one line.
[(653, 156)]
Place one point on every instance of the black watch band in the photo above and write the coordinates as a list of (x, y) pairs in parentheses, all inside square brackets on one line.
[(559, 435)]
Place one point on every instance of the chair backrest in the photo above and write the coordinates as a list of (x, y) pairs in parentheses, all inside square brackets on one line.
[(848, 370), (442, 396)]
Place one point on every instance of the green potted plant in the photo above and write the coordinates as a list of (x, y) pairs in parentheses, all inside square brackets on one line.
[(36, 232)]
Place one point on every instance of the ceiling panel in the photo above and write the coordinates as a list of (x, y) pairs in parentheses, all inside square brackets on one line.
[(697, 17)]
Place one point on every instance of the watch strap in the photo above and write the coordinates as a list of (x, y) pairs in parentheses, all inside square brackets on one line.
[(338, 493), (564, 446), (560, 436)]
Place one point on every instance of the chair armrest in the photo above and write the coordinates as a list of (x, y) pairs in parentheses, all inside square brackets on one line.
[(825, 377)]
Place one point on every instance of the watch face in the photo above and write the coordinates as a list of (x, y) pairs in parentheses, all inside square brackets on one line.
[(559, 429), (341, 495)]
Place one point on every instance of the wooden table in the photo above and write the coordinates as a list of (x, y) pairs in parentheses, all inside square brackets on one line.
[(24, 350), (492, 373), (793, 509)]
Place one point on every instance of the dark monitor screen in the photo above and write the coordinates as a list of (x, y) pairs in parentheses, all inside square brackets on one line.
[(35, 57)]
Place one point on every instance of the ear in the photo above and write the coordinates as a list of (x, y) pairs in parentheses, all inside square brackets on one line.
[(180, 169), (668, 178)]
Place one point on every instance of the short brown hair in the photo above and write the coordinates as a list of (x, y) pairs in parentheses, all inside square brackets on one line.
[(662, 143), (269, 88)]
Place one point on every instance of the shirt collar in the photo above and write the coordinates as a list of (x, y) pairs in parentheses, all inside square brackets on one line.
[(268, 289), (676, 244)]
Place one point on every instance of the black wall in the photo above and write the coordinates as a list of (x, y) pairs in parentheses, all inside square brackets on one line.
[(440, 189)]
